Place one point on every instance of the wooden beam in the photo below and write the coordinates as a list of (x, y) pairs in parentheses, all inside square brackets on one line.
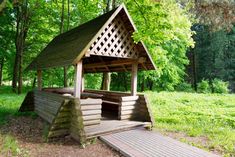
[(83, 80), (78, 80), (39, 79), (134, 79), (120, 62)]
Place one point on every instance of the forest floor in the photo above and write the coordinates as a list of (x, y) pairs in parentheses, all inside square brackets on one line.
[(206, 121)]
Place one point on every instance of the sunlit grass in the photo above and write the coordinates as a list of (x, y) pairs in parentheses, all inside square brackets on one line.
[(208, 115)]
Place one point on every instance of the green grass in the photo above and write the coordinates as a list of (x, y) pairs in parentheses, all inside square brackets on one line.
[(9, 105), (208, 115)]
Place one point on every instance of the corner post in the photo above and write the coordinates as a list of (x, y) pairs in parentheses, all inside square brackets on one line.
[(134, 79), (39, 79), (78, 80)]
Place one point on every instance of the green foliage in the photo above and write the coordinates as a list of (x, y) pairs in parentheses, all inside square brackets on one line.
[(184, 87), (93, 81), (204, 87), (219, 86), (198, 115), (214, 52), (165, 29)]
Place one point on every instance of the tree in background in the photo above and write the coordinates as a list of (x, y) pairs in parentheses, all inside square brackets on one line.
[(213, 55)]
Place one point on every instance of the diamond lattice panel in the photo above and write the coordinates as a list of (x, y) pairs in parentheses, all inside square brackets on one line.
[(114, 41)]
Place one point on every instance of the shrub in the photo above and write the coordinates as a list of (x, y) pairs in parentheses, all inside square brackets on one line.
[(220, 86), (204, 87), (184, 87)]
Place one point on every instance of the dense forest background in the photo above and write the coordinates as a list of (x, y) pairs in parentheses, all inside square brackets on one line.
[(191, 42)]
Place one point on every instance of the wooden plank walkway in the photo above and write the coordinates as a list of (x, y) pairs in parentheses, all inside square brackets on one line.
[(143, 143)]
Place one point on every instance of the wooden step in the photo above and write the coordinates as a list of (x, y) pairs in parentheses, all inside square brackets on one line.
[(113, 126)]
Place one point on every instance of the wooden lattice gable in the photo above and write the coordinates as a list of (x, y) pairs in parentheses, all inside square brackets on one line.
[(114, 41)]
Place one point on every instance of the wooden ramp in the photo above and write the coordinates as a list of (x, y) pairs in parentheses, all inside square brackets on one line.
[(143, 143)]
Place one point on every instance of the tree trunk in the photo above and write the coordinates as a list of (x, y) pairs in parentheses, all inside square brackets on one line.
[(1, 69), (16, 63), (106, 81), (34, 82), (22, 27), (194, 71)]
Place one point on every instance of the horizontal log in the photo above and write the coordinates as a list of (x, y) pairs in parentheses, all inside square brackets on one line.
[(129, 98), (90, 101), (60, 126), (123, 108), (91, 107), (61, 120), (125, 117), (91, 112), (127, 112), (91, 117), (91, 122), (129, 103)]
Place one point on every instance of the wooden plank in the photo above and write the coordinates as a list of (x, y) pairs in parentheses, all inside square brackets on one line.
[(91, 107), (90, 101), (129, 103), (123, 108), (129, 112), (50, 110), (91, 112), (91, 122), (129, 98), (45, 116), (91, 117)]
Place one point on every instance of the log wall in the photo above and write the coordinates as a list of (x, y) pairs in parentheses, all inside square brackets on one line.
[(91, 111), (130, 107), (55, 109)]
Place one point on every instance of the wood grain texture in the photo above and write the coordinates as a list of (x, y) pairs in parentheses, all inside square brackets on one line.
[(143, 143)]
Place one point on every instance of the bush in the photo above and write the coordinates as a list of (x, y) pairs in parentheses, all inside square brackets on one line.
[(220, 86), (204, 87), (184, 87)]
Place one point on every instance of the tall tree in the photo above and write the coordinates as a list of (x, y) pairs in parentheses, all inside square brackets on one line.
[(22, 26)]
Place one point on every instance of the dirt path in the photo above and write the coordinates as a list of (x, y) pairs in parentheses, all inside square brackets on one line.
[(29, 134)]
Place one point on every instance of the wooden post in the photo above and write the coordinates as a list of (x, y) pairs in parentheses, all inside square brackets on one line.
[(83, 81), (39, 78), (134, 79), (78, 80)]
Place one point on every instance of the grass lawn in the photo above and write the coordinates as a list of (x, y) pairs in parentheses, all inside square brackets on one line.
[(207, 116)]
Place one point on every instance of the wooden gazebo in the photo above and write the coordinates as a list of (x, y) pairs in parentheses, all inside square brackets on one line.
[(103, 44)]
